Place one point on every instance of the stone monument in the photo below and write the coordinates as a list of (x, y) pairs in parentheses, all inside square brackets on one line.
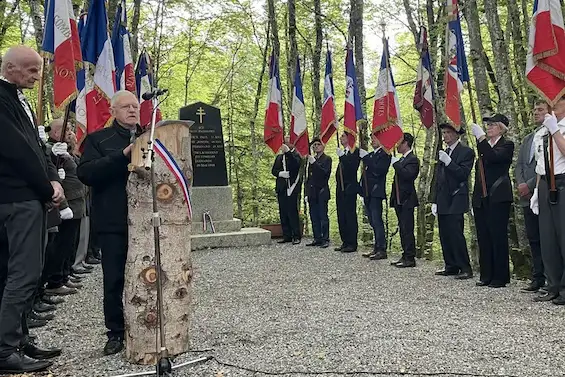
[(211, 196)]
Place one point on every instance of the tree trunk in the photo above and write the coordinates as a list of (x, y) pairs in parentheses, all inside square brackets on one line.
[(423, 190), (293, 48), (274, 27), (356, 37), (7, 18), (140, 293), (111, 10), (134, 31), (316, 59)]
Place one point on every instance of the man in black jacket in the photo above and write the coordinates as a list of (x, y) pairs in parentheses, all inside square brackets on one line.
[(373, 182), (28, 184), (346, 195), (404, 199), (104, 167), (287, 171), (450, 200), (319, 171)]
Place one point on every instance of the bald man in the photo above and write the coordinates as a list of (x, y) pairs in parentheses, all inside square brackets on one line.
[(104, 167), (28, 184)]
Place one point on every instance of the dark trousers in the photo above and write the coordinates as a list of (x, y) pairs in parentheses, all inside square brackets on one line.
[(320, 220), (491, 223), (288, 212), (453, 243), (347, 217), (405, 217), (21, 262), (61, 258), (532, 231), (114, 254), (374, 208), (552, 235)]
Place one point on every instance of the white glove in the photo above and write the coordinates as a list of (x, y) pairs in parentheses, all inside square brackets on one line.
[(311, 159), (340, 152), (284, 174), (534, 202), (394, 160), (62, 174), (550, 123), (477, 131), (285, 148), (444, 157), (42, 134), (434, 209), (60, 149), (66, 214), (362, 153)]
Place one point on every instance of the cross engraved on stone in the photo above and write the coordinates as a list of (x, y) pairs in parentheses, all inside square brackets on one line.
[(200, 112)]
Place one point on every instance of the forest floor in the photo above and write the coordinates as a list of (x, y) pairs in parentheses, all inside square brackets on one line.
[(296, 311)]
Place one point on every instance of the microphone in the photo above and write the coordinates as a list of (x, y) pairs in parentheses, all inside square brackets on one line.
[(156, 92)]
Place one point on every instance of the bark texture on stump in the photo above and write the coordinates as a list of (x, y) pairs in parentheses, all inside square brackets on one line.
[(140, 293)]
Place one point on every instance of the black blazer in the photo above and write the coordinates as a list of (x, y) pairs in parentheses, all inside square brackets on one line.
[(496, 163), (349, 164), (293, 161), (318, 177), (376, 168), (406, 171), (451, 192)]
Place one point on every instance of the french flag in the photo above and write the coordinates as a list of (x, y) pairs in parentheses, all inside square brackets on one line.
[(125, 75), (145, 84), (457, 71), (328, 124), (100, 71), (545, 64), (298, 128), (423, 95), (352, 111), (273, 131), (61, 45), (387, 125)]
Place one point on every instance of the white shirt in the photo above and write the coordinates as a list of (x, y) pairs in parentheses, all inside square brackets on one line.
[(450, 149), (377, 149), (492, 144), (558, 158), (407, 153)]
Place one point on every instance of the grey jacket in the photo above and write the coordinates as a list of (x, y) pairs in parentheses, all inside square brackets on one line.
[(526, 168)]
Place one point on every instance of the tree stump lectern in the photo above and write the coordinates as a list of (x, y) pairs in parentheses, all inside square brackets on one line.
[(140, 293)]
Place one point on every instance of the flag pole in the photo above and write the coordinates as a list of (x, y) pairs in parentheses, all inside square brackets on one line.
[(40, 88), (339, 167), (479, 158)]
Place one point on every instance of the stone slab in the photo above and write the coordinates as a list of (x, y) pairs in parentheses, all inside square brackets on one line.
[(245, 237), (218, 200), (224, 226)]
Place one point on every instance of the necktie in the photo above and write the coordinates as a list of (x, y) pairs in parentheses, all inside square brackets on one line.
[(449, 150)]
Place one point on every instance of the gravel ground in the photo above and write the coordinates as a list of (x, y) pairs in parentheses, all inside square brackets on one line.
[(297, 310)]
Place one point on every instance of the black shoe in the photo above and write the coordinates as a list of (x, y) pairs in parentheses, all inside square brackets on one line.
[(87, 267), (81, 271), (296, 241), (20, 363), (464, 276), (91, 260), (339, 248), (285, 240), (325, 245), (314, 243), (445, 273), (534, 286), (113, 346), (481, 283), (349, 249), (52, 300), (544, 297), (406, 264), (559, 300), (397, 262), (497, 285), (42, 307), (378, 255), (41, 317), (34, 323), (37, 353)]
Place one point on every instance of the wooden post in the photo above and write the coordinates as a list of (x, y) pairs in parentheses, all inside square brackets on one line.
[(140, 295), (479, 158)]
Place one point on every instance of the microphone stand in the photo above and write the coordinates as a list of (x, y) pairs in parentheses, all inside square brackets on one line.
[(164, 365)]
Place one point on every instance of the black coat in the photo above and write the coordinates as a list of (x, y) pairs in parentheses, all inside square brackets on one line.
[(25, 168), (347, 168), (406, 171), (318, 177), (376, 168), (293, 162), (451, 192), (496, 162), (104, 168)]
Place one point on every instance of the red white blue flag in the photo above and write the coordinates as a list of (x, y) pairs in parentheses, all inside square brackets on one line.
[(125, 75), (145, 84), (172, 165), (100, 71), (352, 111), (423, 95), (298, 128), (328, 124), (387, 125), (62, 46), (457, 71), (79, 105), (273, 131), (545, 65)]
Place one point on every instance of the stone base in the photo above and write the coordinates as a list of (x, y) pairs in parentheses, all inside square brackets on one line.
[(224, 226), (245, 237)]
